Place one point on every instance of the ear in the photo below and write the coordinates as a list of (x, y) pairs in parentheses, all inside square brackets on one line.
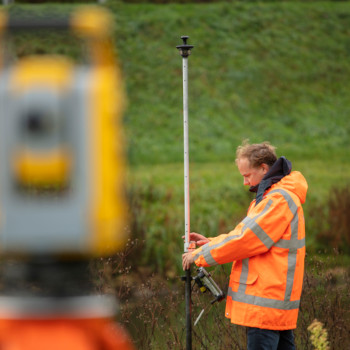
[(265, 168)]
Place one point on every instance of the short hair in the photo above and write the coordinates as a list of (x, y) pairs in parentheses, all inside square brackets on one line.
[(257, 153)]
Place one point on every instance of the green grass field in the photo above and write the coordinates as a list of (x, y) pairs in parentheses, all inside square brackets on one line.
[(218, 201)]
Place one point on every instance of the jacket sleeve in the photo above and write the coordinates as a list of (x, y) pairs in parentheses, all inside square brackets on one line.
[(255, 234)]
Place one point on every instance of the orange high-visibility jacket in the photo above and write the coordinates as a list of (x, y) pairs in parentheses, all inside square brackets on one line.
[(267, 249)]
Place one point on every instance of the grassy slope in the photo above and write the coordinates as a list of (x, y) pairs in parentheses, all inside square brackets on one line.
[(268, 71), (263, 71)]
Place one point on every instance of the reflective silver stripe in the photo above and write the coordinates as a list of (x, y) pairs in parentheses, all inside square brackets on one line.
[(287, 244), (292, 206), (292, 258), (208, 258), (293, 244), (259, 232), (290, 244), (197, 256), (267, 206), (248, 223), (256, 228), (294, 224), (206, 250), (292, 261), (264, 302), (244, 276)]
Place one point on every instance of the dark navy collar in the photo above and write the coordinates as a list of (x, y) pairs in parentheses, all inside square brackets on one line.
[(278, 170)]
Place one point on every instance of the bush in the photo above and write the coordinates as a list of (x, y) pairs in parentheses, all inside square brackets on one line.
[(326, 297), (333, 221)]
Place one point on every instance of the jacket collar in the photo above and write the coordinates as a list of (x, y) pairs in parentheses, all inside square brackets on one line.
[(278, 170)]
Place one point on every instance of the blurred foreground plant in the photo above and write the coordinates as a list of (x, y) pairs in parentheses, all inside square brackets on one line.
[(319, 335)]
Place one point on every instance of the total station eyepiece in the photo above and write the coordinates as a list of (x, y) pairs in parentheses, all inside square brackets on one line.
[(184, 49)]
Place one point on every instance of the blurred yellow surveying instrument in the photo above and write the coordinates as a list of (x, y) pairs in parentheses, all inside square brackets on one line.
[(61, 187), (61, 163)]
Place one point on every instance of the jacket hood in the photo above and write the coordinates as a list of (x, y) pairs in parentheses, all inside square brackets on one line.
[(296, 183)]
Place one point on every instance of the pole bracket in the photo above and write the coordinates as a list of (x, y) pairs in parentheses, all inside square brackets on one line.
[(184, 49)]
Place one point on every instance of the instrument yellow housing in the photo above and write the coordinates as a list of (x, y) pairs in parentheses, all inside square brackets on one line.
[(42, 169)]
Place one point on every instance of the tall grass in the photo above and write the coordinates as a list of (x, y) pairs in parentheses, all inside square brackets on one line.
[(219, 201), (326, 298), (153, 310)]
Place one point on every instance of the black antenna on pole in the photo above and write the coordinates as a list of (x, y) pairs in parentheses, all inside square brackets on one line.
[(185, 51)]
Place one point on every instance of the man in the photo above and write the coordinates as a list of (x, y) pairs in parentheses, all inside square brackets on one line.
[(267, 249)]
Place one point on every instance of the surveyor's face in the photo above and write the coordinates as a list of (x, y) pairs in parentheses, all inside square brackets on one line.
[(251, 176)]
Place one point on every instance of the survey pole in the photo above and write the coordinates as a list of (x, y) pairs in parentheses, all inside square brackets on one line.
[(185, 51)]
